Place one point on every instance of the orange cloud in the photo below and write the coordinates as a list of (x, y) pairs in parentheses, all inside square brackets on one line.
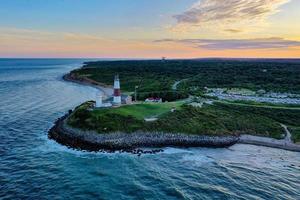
[(228, 14), (239, 44)]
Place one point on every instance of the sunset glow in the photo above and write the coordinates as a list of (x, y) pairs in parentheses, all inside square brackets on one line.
[(150, 29)]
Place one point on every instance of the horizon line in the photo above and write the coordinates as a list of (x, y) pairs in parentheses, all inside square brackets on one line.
[(196, 58)]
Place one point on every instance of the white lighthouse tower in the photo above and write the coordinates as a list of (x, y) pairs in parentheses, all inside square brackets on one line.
[(117, 91)]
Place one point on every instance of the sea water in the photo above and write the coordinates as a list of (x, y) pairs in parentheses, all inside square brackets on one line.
[(33, 95)]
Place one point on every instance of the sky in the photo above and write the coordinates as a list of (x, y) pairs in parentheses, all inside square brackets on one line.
[(149, 28)]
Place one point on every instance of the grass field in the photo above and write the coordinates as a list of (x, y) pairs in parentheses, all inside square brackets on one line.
[(141, 111)]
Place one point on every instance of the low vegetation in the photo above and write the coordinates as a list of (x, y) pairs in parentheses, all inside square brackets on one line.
[(216, 119), (263, 104), (295, 131)]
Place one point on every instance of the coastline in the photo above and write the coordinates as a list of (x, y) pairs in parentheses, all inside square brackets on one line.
[(92, 141), (106, 89), (85, 140)]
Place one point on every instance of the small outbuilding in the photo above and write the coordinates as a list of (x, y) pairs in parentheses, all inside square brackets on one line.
[(154, 100), (125, 99)]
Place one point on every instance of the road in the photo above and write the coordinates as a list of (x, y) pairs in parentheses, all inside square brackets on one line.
[(288, 135), (174, 86)]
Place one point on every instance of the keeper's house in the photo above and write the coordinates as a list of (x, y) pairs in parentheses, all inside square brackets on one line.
[(125, 99)]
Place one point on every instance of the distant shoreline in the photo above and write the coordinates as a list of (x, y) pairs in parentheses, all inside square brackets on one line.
[(106, 89)]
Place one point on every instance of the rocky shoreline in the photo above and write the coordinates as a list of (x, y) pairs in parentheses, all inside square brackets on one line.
[(133, 142), (92, 141)]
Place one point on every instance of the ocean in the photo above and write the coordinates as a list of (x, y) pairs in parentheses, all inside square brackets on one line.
[(33, 95)]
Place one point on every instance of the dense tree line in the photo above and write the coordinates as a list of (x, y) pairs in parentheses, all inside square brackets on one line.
[(157, 75)]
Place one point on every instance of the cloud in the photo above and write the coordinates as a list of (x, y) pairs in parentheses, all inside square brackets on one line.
[(237, 44), (228, 12), (231, 30)]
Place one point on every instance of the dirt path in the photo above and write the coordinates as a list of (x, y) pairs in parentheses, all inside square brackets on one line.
[(174, 86)]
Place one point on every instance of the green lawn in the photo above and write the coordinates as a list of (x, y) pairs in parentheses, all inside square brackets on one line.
[(127, 118), (141, 111)]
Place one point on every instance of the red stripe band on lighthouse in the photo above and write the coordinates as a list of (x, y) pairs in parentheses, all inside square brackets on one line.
[(117, 92)]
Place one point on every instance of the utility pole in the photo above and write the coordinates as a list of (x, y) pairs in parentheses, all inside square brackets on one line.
[(135, 92)]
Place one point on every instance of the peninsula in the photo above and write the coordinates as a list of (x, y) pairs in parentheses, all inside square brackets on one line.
[(161, 103)]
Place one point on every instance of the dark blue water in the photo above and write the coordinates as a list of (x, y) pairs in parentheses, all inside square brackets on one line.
[(33, 95)]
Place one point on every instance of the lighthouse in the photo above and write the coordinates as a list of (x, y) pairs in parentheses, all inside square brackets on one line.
[(117, 91)]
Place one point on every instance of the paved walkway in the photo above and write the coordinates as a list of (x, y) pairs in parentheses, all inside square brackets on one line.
[(285, 143)]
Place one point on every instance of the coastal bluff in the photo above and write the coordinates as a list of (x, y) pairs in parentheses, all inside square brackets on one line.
[(76, 138), (92, 141)]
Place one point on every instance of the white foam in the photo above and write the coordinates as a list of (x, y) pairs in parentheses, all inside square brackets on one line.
[(172, 150)]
